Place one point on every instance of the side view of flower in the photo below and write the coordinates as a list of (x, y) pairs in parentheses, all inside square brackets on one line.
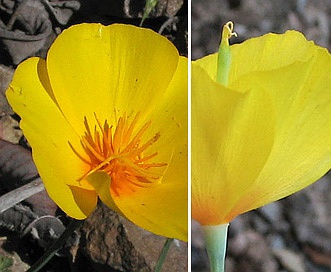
[(106, 117), (261, 124)]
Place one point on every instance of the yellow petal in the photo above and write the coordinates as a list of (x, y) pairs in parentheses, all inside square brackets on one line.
[(159, 209), (271, 51), (48, 133), (277, 156), (162, 208), (85, 199), (268, 52), (169, 117), (232, 136), (109, 70), (101, 182), (301, 152)]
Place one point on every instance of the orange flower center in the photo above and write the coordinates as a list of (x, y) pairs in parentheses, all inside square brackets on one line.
[(120, 152)]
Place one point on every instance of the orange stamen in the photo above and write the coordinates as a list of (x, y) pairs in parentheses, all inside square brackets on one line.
[(121, 153)]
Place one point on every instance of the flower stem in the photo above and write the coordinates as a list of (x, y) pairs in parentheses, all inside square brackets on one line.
[(56, 246), (163, 254), (216, 237), (224, 54)]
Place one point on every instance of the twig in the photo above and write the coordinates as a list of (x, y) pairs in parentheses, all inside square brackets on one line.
[(16, 196)]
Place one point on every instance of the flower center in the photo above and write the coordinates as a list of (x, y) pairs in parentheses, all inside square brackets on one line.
[(120, 152)]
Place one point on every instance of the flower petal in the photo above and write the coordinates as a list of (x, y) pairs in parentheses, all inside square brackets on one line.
[(232, 136), (85, 199), (149, 208), (48, 133), (271, 51), (170, 118), (268, 52), (114, 70), (162, 208), (301, 152), (101, 182)]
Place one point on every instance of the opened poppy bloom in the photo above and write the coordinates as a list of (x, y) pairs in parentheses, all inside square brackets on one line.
[(261, 124), (106, 116)]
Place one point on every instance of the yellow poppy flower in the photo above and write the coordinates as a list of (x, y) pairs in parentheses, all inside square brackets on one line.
[(106, 116), (262, 134)]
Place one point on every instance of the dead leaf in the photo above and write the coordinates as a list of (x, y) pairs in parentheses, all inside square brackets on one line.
[(17, 169), (15, 164)]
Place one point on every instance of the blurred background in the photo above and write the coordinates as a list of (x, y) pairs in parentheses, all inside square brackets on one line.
[(294, 234), (256, 17)]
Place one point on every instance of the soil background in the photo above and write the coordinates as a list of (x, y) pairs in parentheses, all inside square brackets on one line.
[(293, 234)]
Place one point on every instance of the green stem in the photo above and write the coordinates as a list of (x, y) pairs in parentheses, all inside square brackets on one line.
[(56, 246), (216, 237), (163, 254)]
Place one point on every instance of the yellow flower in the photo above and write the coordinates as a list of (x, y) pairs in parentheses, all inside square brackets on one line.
[(106, 116), (265, 133)]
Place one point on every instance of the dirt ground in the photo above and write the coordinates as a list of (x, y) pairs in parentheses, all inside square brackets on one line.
[(294, 234)]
